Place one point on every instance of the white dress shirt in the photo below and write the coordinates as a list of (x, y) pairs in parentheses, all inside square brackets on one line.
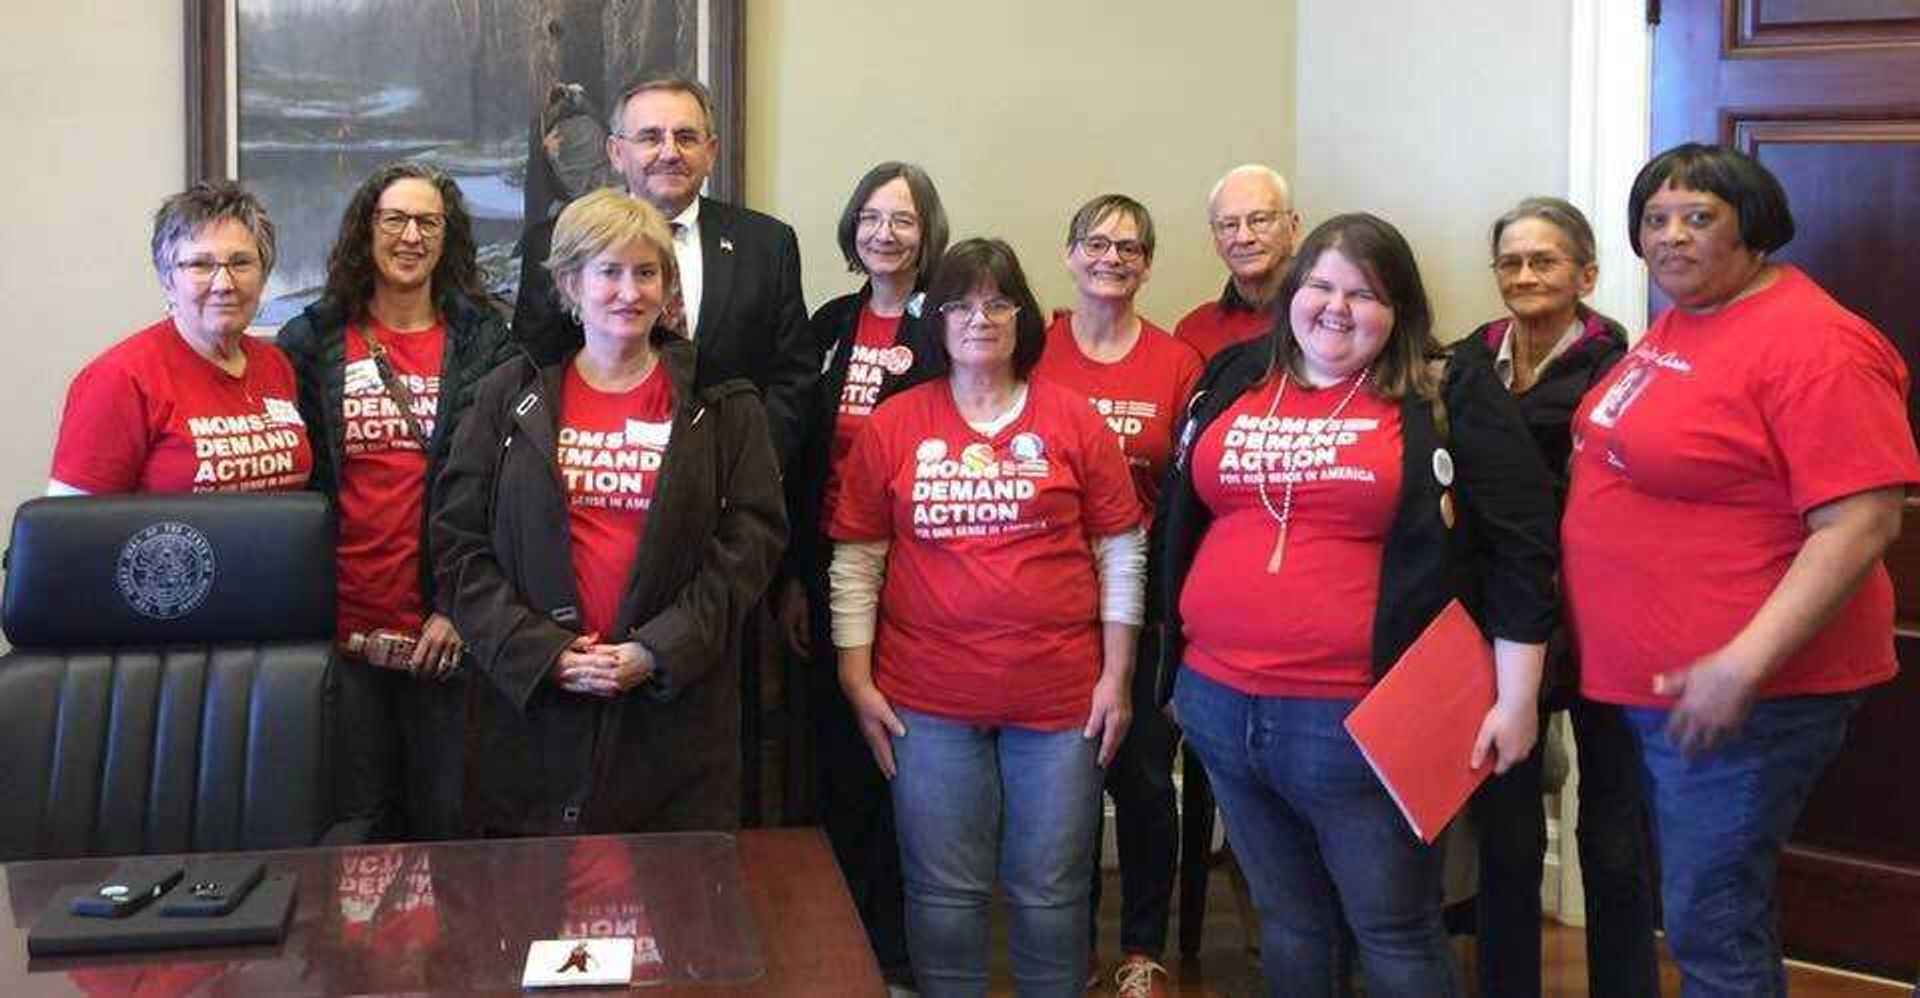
[(686, 254)]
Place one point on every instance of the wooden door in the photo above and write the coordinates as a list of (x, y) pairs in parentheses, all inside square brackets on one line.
[(1826, 93)]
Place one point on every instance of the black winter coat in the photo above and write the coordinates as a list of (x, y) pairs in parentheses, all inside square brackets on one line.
[(832, 329), (661, 757), (1548, 407)]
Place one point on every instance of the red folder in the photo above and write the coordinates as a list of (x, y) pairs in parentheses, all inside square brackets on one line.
[(1417, 726)]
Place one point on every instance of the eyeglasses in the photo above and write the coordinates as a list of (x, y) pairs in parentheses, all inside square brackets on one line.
[(652, 140), (203, 268), (994, 310), (1095, 247), (899, 221), (393, 222), (1258, 223), (1539, 263)]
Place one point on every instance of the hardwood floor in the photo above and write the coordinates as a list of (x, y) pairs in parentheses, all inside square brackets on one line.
[(1225, 968)]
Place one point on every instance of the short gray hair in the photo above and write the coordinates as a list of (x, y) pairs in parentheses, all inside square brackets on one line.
[(185, 215), (673, 84), (1261, 170), (1561, 215)]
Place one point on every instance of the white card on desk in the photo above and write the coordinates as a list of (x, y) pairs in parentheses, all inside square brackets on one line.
[(560, 963)]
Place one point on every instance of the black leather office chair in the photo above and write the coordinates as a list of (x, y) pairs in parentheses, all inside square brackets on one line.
[(167, 690)]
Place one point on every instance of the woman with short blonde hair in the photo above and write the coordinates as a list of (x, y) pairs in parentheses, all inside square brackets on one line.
[(610, 702)]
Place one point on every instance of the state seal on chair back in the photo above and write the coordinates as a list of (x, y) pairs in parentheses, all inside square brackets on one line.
[(167, 688)]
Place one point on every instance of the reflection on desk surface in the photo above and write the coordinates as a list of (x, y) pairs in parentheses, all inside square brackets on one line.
[(457, 917)]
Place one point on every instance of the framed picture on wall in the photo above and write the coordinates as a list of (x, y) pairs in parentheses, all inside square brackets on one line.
[(301, 99)]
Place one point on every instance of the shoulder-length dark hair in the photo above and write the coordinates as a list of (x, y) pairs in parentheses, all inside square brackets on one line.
[(350, 267), (974, 263), (1379, 250), (1766, 224), (926, 203)]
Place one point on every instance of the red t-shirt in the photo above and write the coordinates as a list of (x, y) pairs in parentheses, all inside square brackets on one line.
[(610, 450), (990, 612), (1695, 463), (1140, 396), (603, 902), (1307, 630), (386, 898), (1211, 327), (150, 415), (383, 480), (871, 357)]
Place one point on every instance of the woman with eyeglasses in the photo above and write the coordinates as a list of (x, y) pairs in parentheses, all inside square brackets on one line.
[(191, 403), (986, 589), (1138, 378), (1548, 351), (1336, 484), (387, 359), (876, 341)]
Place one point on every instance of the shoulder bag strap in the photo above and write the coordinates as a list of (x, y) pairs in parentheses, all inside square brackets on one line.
[(396, 389)]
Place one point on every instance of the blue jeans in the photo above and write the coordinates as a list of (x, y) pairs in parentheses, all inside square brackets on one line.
[(971, 800), (1317, 835), (1720, 821)]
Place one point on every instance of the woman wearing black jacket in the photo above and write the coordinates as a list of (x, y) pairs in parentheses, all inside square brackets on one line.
[(602, 529), (404, 324), (1548, 351), (1330, 492), (876, 342)]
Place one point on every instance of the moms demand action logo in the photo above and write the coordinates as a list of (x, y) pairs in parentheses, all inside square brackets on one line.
[(165, 570)]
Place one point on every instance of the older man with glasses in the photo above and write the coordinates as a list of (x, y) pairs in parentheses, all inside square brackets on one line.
[(1254, 226), (740, 298)]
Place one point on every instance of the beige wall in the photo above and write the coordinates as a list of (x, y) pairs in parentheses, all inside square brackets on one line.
[(1436, 120), (1021, 111), (91, 92)]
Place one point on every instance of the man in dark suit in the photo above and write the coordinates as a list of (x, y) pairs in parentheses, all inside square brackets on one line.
[(739, 269)]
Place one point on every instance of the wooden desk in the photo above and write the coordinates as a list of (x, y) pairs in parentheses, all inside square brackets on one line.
[(456, 918)]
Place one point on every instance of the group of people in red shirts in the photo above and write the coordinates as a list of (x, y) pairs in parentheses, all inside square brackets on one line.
[(1029, 553)]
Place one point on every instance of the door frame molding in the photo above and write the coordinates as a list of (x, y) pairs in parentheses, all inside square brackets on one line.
[(1609, 120)]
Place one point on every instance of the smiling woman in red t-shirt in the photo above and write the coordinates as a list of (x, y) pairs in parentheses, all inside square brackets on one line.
[(1138, 377), (1331, 493), (191, 403), (387, 358), (877, 341), (988, 523), (1735, 481)]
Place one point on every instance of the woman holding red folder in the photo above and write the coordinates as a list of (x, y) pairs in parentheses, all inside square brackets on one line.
[(1334, 485)]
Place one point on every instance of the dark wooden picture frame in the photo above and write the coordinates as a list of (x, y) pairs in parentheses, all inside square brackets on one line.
[(211, 107)]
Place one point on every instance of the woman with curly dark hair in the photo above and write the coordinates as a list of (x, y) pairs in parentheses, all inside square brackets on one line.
[(386, 362)]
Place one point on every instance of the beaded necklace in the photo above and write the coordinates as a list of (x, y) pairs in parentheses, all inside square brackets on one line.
[(1284, 515)]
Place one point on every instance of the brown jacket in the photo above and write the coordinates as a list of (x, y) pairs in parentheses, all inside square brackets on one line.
[(662, 757)]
